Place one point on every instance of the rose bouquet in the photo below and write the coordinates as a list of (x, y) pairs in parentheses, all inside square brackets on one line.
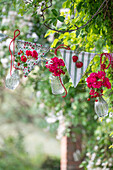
[(96, 82), (55, 66)]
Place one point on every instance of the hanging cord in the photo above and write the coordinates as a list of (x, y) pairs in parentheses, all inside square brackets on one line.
[(102, 65), (62, 46), (12, 55), (67, 48), (63, 87)]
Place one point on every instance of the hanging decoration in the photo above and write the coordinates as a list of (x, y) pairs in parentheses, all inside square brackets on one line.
[(96, 82), (29, 55), (101, 107), (26, 58), (76, 63), (55, 66), (12, 80), (56, 85)]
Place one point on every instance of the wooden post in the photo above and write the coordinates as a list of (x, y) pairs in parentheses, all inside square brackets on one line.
[(70, 153)]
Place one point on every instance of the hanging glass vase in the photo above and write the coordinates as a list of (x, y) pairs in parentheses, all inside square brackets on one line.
[(56, 85), (101, 107), (12, 81)]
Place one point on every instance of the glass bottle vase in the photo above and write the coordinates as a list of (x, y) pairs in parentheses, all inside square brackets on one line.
[(12, 81), (101, 107), (56, 84)]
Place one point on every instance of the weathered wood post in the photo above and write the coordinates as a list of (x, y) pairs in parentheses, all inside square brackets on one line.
[(70, 152)]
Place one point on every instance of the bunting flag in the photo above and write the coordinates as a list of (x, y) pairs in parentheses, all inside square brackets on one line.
[(74, 72), (28, 56)]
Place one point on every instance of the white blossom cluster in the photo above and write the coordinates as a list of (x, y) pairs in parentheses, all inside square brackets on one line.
[(98, 164)]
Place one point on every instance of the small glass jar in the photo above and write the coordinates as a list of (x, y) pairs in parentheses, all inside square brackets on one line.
[(12, 81), (56, 84), (101, 107)]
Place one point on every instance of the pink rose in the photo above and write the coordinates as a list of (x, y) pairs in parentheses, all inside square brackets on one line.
[(106, 83), (101, 74), (97, 84), (94, 75), (61, 62)]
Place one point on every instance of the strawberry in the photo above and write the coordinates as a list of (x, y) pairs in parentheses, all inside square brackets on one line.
[(79, 64), (75, 58)]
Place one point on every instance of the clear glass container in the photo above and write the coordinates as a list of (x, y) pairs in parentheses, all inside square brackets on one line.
[(12, 81), (56, 84), (101, 107)]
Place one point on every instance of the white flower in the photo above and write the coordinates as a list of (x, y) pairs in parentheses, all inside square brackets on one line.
[(51, 118), (38, 94), (110, 164), (88, 154), (104, 164), (96, 148), (108, 120), (90, 165), (98, 137), (93, 156), (4, 62), (98, 162), (34, 35), (41, 105)]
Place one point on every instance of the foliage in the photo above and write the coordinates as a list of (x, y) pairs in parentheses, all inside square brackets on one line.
[(13, 156), (98, 154), (51, 164)]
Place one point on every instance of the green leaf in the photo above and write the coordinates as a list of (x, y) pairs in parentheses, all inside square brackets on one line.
[(54, 21), (64, 5), (54, 43), (61, 18), (79, 6), (55, 13)]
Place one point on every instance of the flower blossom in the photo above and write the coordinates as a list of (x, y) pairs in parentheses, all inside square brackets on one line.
[(55, 66)]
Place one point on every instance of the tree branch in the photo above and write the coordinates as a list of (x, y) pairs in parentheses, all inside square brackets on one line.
[(77, 28)]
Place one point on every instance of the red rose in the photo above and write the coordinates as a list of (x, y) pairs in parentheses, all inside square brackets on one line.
[(28, 53), (18, 64), (35, 54), (21, 51), (23, 58)]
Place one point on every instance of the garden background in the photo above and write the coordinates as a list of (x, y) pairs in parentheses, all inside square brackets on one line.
[(33, 121)]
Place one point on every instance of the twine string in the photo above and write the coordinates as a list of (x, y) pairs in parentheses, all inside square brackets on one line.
[(12, 55), (108, 55), (67, 48)]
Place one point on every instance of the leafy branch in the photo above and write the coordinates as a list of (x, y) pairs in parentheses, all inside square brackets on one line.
[(77, 28)]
